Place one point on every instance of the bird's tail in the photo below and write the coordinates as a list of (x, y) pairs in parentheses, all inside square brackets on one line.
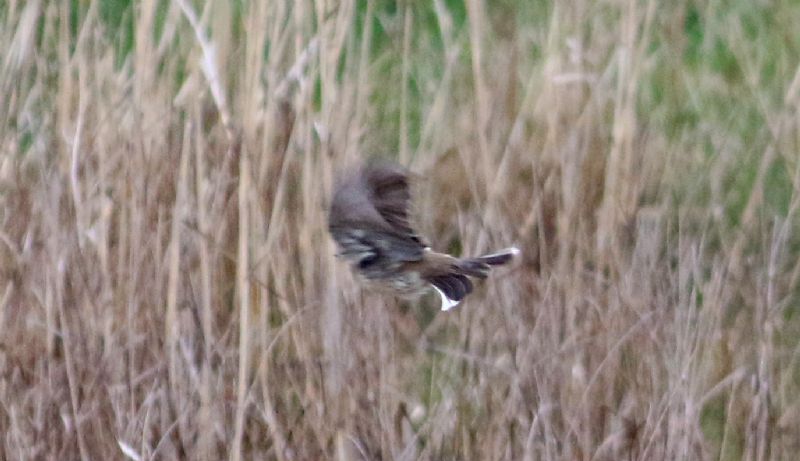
[(480, 266), (454, 285)]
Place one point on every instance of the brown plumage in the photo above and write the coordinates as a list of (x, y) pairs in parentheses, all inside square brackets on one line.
[(369, 220)]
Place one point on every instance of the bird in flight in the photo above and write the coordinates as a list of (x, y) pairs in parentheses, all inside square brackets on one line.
[(369, 221)]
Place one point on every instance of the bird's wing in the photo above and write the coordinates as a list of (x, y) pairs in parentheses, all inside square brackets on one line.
[(388, 186), (369, 220), (364, 246)]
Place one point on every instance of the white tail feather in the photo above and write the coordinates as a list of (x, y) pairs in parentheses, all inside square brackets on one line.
[(447, 303)]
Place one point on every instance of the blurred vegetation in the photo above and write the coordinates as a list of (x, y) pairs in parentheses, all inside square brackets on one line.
[(168, 288)]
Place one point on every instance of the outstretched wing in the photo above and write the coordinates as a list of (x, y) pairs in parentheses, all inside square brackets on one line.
[(390, 194), (369, 220)]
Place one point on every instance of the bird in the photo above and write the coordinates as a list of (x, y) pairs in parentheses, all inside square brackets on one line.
[(368, 219)]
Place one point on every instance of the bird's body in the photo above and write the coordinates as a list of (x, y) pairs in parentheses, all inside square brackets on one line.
[(369, 221)]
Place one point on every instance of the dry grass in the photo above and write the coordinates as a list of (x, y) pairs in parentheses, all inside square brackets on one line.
[(168, 289)]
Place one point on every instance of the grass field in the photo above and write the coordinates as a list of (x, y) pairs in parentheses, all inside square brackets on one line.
[(168, 288)]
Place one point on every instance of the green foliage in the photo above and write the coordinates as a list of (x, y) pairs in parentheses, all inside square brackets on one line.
[(778, 189), (118, 18), (715, 424)]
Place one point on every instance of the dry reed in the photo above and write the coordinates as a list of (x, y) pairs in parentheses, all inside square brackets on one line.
[(168, 289)]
